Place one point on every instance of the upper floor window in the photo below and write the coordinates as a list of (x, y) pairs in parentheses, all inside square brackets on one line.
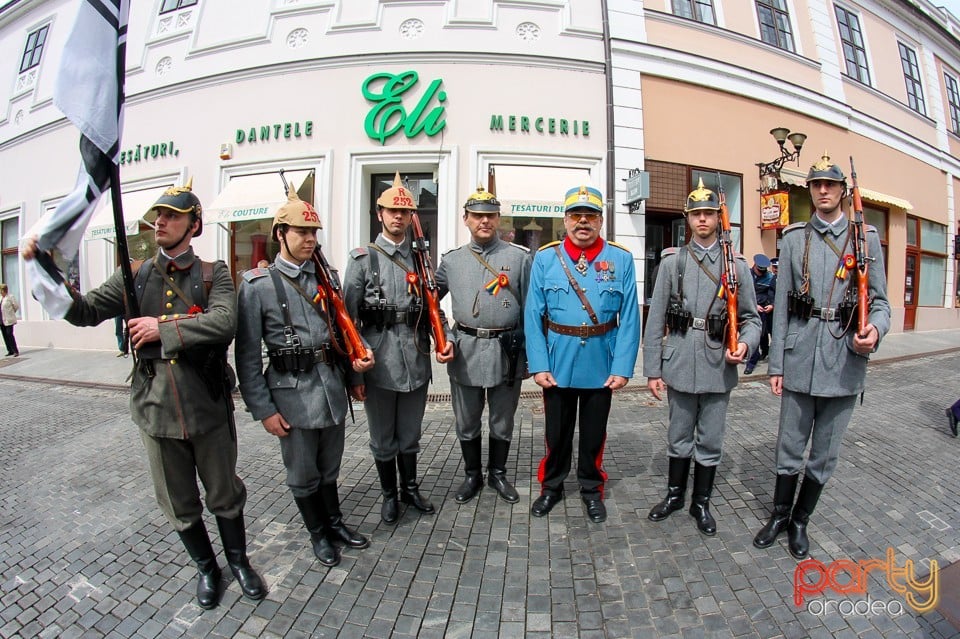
[(775, 23), (172, 5), (699, 10), (854, 50), (953, 99), (911, 75), (34, 48)]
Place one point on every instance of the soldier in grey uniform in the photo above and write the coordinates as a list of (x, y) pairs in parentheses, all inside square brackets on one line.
[(685, 350), (383, 295), (180, 392), (818, 360), (487, 280), (301, 397)]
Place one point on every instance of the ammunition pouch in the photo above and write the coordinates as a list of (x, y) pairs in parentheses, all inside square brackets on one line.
[(677, 318), (297, 359), (386, 315), (799, 305), (716, 323), (847, 311), (210, 362), (513, 342)]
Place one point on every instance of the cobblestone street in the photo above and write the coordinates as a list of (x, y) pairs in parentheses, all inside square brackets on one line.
[(85, 552)]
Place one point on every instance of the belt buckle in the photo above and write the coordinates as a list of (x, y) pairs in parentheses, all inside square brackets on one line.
[(831, 314), (699, 323), (484, 333), (583, 331), (400, 317)]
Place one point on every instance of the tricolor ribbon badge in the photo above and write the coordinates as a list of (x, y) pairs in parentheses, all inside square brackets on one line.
[(412, 280), (500, 281), (848, 263), (320, 299)]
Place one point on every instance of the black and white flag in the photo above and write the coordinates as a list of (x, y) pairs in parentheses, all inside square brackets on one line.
[(89, 91)]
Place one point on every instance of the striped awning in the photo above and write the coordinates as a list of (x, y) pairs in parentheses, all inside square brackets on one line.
[(877, 197)]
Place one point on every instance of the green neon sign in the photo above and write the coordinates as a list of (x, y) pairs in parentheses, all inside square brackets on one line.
[(388, 115)]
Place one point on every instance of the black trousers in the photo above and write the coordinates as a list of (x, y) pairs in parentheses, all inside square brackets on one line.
[(561, 409), (8, 339)]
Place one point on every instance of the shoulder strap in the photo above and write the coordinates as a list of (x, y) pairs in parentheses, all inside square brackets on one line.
[(290, 337), (576, 287)]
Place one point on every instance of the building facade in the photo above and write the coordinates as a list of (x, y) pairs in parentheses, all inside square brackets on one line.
[(534, 96)]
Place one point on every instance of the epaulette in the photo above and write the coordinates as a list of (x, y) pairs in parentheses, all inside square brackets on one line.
[(794, 227), (619, 246), (255, 273), (449, 251), (550, 245), (870, 227), (520, 246), (738, 256), (670, 250), (359, 252)]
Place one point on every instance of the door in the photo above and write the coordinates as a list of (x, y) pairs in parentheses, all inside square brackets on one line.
[(910, 287)]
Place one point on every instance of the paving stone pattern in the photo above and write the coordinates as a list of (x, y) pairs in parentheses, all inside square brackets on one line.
[(84, 551)]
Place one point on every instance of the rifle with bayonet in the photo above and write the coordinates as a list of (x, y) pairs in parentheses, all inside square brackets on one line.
[(729, 282)]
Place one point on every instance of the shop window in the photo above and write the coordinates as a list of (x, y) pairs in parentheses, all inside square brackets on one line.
[(774, 17), (854, 49), (733, 190), (877, 218), (424, 191), (699, 10), (931, 239), (953, 100), (34, 48), (9, 254), (911, 75), (172, 5)]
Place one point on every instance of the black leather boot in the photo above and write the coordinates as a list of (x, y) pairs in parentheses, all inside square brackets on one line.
[(387, 471), (337, 531), (409, 488), (782, 504), (234, 538), (497, 470), (677, 474), (700, 507), (472, 461), (314, 515), (807, 499), (197, 543)]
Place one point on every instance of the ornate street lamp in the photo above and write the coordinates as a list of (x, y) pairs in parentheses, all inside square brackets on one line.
[(770, 171)]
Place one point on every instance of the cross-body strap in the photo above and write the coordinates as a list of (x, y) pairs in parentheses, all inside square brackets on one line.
[(576, 287)]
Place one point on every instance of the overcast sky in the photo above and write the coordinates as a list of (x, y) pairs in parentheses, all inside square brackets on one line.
[(952, 5)]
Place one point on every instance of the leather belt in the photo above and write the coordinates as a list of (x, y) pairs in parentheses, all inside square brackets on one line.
[(824, 313), (482, 333), (584, 330)]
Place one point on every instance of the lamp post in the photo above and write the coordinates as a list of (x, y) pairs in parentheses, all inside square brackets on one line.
[(770, 171)]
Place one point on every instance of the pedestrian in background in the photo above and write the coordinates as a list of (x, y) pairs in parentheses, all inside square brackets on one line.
[(818, 365), (685, 352), (301, 397), (384, 297), (487, 280), (953, 417), (181, 388), (765, 289), (582, 326), (8, 319)]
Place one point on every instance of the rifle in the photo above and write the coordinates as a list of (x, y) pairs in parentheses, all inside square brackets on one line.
[(860, 255), (729, 281), (431, 292)]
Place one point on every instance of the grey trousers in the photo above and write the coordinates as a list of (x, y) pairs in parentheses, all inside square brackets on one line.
[(175, 465), (501, 404), (312, 457), (395, 420), (697, 426), (820, 420)]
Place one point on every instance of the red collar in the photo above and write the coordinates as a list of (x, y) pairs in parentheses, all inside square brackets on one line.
[(574, 251)]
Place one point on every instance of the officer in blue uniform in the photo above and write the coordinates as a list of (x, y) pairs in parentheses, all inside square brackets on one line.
[(582, 326), (765, 288)]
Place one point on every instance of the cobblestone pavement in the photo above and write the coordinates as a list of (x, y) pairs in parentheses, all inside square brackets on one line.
[(84, 551)]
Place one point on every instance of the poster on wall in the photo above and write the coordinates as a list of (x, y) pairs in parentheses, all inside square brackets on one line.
[(774, 210)]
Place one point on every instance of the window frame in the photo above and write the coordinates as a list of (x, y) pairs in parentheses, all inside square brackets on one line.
[(844, 23), (953, 101), (694, 10), (178, 4), (775, 11), (13, 280), (33, 48), (917, 223), (914, 85)]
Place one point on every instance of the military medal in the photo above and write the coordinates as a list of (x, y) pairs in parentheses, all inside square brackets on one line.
[(847, 264), (604, 271), (500, 281), (412, 280), (582, 263)]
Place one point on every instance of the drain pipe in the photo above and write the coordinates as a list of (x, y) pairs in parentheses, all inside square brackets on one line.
[(611, 156)]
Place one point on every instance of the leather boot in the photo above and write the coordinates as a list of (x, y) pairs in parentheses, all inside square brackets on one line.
[(387, 471), (337, 531), (782, 503), (700, 507), (314, 515), (234, 538), (409, 488), (197, 543), (497, 470), (807, 500), (677, 474), (472, 456)]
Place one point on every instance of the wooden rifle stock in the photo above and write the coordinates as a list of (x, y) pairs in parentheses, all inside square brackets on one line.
[(353, 345), (730, 283), (860, 254), (431, 292)]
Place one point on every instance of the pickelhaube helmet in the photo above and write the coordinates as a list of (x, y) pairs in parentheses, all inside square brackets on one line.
[(179, 199), (296, 212), (397, 196), (701, 198), (482, 202), (826, 170)]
